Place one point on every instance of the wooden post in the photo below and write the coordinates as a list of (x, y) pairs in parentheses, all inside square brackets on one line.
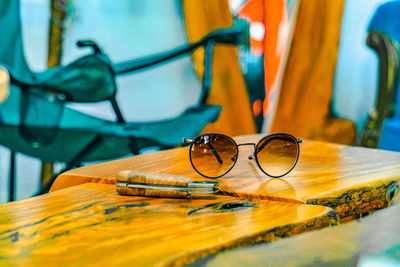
[(58, 14), (228, 85), (304, 106)]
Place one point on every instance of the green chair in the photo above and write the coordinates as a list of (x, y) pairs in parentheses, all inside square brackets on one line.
[(382, 129), (34, 119)]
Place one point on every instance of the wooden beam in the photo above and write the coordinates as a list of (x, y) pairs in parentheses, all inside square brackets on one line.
[(304, 105), (228, 87), (58, 13)]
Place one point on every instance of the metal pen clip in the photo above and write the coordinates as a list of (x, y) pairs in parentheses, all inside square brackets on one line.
[(161, 185), (192, 188)]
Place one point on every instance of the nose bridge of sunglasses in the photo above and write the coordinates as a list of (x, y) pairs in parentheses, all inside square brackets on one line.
[(252, 156)]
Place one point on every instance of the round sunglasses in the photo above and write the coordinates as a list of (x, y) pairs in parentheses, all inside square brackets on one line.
[(213, 155)]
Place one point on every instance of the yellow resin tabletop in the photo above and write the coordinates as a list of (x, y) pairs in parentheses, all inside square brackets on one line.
[(90, 224), (351, 180), (372, 241)]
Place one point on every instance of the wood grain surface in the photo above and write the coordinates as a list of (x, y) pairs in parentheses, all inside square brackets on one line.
[(90, 224), (304, 105), (351, 180), (135, 177), (228, 85), (134, 183), (372, 241)]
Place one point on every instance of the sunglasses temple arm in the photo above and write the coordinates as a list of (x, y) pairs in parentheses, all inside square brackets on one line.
[(215, 153), (190, 140), (261, 147)]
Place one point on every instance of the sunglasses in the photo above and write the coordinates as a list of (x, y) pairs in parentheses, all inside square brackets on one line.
[(213, 155)]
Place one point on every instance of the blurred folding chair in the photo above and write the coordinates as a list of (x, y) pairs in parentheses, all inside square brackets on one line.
[(383, 125), (34, 119)]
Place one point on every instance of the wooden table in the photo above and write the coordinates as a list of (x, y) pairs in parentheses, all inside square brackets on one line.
[(84, 221), (351, 180), (372, 241), (90, 223)]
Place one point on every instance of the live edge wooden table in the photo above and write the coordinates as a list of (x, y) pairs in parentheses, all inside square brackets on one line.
[(84, 221)]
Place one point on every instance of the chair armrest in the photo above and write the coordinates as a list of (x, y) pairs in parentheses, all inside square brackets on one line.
[(92, 44), (388, 80), (87, 79), (388, 54), (222, 36), (228, 36)]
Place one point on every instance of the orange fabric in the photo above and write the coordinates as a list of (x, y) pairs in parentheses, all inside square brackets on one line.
[(273, 15), (252, 11), (276, 21)]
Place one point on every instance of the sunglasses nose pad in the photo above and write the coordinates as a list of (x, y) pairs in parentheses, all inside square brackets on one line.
[(253, 156), (234, 158)]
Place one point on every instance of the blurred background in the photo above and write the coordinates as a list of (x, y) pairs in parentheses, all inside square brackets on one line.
[(312, 68)]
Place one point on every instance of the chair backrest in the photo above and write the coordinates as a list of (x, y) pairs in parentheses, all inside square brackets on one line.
[(34, 119), (383, 125), (385, 20), (37, 113), (11, 48)]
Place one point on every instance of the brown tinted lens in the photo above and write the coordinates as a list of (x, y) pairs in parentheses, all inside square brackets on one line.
[(212, 155), (277, 154)]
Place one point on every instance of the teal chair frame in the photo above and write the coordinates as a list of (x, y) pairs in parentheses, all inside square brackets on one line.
[(35, 121)]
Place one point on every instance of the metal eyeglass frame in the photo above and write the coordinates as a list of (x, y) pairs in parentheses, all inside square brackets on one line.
[(191, 140)]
